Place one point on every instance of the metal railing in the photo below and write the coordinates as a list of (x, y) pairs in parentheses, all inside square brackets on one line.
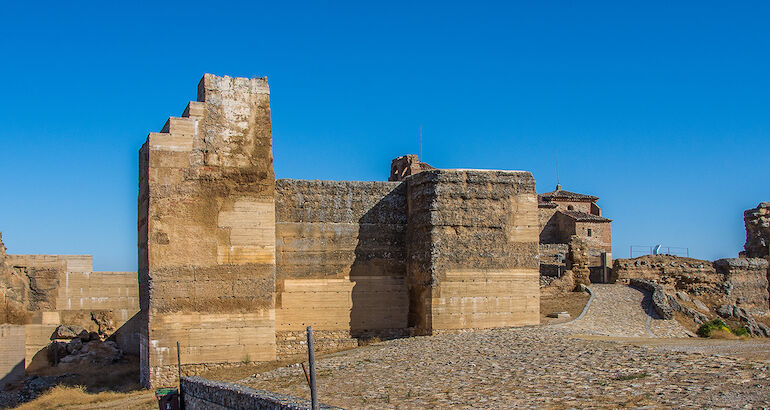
[(641, 250)]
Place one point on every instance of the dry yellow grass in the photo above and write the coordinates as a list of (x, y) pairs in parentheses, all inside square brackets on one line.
[(64, 397), (724, 333)]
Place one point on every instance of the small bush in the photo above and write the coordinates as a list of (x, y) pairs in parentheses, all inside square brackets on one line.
[(717, 329), (741, 331), (707, 328)]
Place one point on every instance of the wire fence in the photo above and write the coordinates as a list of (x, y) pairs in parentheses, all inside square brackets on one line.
[(641, 250)]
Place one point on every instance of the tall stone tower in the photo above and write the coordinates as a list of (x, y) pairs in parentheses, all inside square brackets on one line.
[(207, 232), (472, 246)]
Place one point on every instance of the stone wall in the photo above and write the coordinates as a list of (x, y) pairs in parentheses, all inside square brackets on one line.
[(553, 259), (549, 226), (207, 231), (745, 283), (472, 249), (735, 281), (12, 354), (68, 283), (339, 261), (202, 394), (56, 289)]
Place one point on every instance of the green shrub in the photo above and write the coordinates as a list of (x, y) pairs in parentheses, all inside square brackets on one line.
[(741, 331), (716, 324)]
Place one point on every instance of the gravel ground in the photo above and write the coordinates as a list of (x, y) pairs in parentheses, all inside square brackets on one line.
[(546, 366)]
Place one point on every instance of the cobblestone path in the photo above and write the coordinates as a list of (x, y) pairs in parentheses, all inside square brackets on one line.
[(622, 311), (531, 367)]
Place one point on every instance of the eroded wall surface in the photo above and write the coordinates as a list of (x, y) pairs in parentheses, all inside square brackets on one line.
[(735, 281), (63, 283), (207, 232), (757, 223), (339, 261), (472, 249)]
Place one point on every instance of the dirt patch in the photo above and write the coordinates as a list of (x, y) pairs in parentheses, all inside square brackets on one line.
[(570, 302), (122, 376), (77, 398)]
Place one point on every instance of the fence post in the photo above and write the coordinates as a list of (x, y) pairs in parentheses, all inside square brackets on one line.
[(179, 369), (311, 361)]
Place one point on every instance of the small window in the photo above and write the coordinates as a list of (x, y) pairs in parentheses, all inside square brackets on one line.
[(570, 208), (589, 232)]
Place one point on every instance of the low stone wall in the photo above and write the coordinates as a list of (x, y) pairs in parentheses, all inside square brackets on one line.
[(736, 281), (199, 393), (659, 299)]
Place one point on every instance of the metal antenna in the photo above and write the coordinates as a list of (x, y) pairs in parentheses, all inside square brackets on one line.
[(556, 157), (420, 158)]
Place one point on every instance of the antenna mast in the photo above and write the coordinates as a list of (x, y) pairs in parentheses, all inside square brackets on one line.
[(556, 157), (420, 158)]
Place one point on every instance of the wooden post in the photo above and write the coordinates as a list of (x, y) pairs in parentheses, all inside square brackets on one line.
[(311, 360), (179, 369)]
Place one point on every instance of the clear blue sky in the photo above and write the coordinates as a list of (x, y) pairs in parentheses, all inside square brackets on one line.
[(662, 109)]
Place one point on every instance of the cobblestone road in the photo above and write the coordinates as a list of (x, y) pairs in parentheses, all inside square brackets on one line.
[(623, 311), (536, 367)]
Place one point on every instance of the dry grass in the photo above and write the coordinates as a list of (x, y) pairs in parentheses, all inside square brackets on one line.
[(122, 376), (61, 397), (86, 386), (368, 341), (724, 334), (570, 302)]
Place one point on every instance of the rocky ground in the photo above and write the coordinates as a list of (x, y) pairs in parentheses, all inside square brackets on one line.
[(545, 366)]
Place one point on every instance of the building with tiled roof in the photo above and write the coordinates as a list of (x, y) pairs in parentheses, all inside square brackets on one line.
[(565, 215)]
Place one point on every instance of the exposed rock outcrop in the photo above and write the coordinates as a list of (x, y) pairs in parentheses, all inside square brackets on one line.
[(757, 222), (737, 281)]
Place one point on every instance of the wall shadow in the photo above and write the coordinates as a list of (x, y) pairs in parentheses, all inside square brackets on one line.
[(15, 375), (380, 296), (646, 304)]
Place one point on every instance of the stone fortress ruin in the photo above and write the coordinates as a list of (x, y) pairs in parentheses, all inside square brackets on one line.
[(234, 263)]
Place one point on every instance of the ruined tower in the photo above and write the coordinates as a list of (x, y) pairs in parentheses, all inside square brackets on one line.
[(472, 245), (207, 231)]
